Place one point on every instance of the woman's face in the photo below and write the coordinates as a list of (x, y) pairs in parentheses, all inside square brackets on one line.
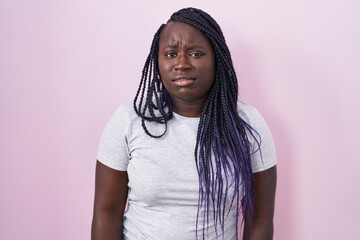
[(186, 63)]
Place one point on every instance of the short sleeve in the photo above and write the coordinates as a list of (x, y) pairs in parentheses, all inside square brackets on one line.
[(113, 151), (265, 157)]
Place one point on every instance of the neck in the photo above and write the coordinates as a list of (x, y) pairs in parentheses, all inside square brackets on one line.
[(188, 109)]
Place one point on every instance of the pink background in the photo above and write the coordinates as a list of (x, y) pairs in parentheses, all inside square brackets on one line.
[(66, 65)]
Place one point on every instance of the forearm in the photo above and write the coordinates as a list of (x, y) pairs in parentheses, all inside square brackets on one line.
[(109, 204), (106, 226), (261, 229)]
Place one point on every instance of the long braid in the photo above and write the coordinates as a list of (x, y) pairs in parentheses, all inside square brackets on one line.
[(222, 151), (160, 110)]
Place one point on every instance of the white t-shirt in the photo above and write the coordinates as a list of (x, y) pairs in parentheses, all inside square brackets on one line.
[(163, 180)]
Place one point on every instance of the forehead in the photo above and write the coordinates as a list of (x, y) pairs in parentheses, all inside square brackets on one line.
[(178, 32)]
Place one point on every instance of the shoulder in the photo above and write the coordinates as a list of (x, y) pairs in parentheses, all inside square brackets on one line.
[(252, 116), (124, 114), (266, 157), (249, 114), (121, 120), (125, 109), (113, 151)]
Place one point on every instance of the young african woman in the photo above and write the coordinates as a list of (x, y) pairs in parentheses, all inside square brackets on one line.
[(186, 159)]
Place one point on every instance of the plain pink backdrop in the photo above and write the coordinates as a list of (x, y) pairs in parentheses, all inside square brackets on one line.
[(66, 65)]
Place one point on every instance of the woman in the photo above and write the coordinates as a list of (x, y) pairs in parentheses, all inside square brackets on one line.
[(186, 156)]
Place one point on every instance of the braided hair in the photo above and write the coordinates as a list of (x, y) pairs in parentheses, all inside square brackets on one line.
[(222, 151)]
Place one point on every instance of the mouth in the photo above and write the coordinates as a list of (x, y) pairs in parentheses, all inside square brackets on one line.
[(183, 81)]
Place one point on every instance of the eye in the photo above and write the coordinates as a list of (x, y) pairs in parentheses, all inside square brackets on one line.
[(196, 54), (170, 54)]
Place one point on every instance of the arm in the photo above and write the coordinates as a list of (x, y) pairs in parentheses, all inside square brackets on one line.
[(262, 226), (110, 200)]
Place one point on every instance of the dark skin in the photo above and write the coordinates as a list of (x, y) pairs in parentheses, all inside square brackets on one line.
[(109, 205), (264, 203), (187, 68)]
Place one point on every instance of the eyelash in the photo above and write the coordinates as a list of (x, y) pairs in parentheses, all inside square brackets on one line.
[(192, 54), (197, 54), (170, 54)]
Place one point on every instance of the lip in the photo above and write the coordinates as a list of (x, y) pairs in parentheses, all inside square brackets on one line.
[(183, 81), (183, 77)]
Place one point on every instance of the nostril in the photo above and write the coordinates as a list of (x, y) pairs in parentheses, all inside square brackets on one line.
[(182, 63)]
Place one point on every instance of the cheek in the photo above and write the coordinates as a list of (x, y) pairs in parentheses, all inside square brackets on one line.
[(209, 71), (163, 69), (164, 74)]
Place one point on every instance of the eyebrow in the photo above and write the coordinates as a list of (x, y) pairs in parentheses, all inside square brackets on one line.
[(175, 45)]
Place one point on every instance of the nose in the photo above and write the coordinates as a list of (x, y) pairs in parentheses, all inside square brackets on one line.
[(182, 63)]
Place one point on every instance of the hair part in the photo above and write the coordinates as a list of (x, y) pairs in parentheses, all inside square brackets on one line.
[(222, 152)]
